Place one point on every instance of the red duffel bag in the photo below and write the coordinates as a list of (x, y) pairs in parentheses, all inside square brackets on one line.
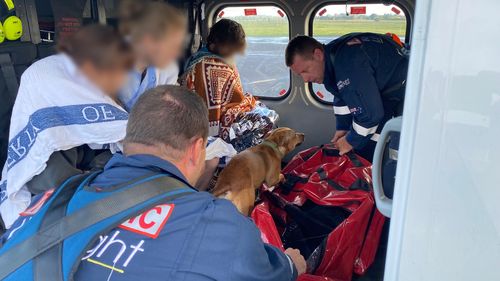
[(325, 207)]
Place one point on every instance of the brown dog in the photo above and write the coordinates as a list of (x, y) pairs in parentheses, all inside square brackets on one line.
[(260, 164)]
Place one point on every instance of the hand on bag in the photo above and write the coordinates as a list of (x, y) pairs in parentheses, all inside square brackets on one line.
[(343, 145), (297, 259), (338, 135)]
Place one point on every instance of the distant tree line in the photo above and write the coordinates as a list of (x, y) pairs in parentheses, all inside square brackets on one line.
[(343, 17), (361, 17)]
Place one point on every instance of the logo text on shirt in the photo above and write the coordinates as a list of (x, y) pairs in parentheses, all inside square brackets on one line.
[(342, 84), (113, 253), (149, 223)]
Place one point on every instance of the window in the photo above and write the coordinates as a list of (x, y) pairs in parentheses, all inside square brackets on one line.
[(69, 18), (333, 21), (262, 68)]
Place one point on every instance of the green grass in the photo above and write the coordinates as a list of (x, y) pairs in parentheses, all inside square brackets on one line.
[(322, 27)]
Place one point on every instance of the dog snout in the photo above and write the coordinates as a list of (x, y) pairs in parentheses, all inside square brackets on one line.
[(301, 137)]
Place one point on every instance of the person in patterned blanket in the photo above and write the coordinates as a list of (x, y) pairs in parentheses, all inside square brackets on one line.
[(211, 73)]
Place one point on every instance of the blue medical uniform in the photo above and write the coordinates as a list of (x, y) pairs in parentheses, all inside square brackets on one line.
[(366, 73), (194, 237)]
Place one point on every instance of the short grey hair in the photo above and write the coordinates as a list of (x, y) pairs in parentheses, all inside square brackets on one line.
[(167, 115)]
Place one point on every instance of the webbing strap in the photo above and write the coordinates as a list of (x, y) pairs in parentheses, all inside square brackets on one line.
[(93, 213), (323, 176), (354, 159), (393, 88), (9, 74)]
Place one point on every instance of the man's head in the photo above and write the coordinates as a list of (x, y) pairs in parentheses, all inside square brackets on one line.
[(306, 57), (170, 122)]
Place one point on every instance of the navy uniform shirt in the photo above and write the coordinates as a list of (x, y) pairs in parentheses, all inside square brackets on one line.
[(364, 68), (195, 237)]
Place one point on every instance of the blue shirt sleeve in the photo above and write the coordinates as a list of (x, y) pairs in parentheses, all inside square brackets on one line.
[(359, 90), (243, 254), (255, 260), (342, 114)]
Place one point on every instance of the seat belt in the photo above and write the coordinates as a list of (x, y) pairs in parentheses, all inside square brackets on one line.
[(121, 201), (9, 74), (393, 88), (196, 39)]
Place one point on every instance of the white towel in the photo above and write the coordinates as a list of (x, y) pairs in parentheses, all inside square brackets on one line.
[(216, 147), (56, 108)]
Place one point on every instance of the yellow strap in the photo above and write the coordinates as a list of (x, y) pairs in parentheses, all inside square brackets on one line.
[(10, 4)]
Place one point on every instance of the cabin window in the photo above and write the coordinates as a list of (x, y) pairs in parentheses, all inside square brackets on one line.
[(69, 19), (262, 68), (333, 21)]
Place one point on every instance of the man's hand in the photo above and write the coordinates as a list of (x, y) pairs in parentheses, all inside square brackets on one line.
[(282, 178), (343, 145), (297, 259), (338, 135)]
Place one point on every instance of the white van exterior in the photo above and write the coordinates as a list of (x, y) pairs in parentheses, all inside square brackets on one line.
[(445, 222)]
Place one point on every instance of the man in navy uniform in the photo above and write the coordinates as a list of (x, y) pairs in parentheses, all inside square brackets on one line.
[(365, 72), (194, 237)]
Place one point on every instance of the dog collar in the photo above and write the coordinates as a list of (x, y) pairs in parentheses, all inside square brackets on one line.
[(274, 146)]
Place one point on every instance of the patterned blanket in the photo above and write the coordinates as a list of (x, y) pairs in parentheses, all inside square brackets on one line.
[(218, 83)]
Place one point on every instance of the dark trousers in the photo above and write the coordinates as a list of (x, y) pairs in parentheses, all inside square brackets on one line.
[(64, 164)]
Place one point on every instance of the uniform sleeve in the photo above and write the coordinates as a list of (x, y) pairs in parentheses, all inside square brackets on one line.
[(255, 260), (342, 114), (359, 91)]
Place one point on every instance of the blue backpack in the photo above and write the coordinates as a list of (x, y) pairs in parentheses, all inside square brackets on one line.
[(51, 245)]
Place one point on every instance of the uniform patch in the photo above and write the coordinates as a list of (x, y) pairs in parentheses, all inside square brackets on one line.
[(151, 222), (38, 205), (343, 84), (356, 110)]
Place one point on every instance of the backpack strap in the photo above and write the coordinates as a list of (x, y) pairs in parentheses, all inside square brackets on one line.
[(153, 191), (49, 263)]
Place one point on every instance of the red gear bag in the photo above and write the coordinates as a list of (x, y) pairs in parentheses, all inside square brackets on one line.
[(322, 176)]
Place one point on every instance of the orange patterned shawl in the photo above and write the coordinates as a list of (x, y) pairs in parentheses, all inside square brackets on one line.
[(218, 83)]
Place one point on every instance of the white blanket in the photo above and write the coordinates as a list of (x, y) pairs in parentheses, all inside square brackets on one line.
[(56, 108), (218, 148)]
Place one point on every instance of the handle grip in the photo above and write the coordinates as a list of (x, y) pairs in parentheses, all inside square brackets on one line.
[(384, 204)]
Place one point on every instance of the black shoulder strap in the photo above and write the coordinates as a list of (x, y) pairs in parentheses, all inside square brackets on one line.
[(9, 74), (341, 41), (54, 234)]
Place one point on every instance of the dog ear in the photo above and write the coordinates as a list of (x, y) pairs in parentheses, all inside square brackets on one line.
[(269, 133)]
